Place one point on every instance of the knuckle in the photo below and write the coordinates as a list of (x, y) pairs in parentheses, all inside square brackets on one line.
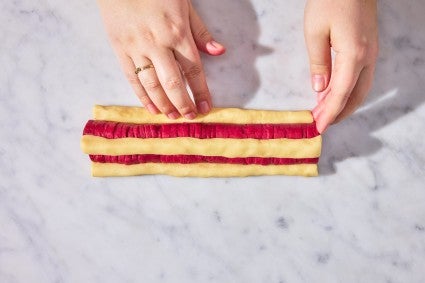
[(201, 95), (319, 67), (193, 71), (178, 34), (359, 53), (146, 35), (177, 30), (173, 83), (365, 51), (151, 84), (130, 40), (165, 108), (203, 34), (132, 78), (184, 109)]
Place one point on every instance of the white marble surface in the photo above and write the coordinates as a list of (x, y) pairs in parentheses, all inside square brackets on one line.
[(362, 220)]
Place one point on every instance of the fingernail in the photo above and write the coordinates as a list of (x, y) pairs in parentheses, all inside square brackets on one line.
[(204, 107), (190, 116), (318, 82), (152, 109), (214, 48), (173, 115), (215, 44)]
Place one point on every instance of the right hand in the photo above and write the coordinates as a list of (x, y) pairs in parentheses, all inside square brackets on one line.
[(350, 29), (164, 37)]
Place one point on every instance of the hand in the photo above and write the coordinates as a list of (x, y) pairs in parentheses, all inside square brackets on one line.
[(349, 27), (161, 38)]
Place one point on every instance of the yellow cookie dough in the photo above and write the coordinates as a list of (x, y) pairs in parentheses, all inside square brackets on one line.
[(283, 148), (217, 115), (201, 169)]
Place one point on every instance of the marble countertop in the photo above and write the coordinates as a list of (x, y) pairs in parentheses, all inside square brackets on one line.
[(361, 220)]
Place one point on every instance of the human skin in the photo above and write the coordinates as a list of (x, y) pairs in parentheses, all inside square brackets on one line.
[(350, 29), (168, 34)]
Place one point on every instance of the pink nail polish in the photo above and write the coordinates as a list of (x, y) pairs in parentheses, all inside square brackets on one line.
[(203, 107), (215, 48), (319, 83), (190, 116), (215, 44), (173, 115)]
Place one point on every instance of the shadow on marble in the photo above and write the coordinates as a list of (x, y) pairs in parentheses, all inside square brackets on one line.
[(397, 91), (232, 77)]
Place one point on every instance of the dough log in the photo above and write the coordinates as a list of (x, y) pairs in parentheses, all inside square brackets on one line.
[(228, 142)]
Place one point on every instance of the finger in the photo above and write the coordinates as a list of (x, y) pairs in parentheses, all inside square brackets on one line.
[(317, 111), (172, 82), (151, 84), (322, 95), (319, 51), (203, 39), (343, 79), (129, 70), (359, 93), (188, 57)]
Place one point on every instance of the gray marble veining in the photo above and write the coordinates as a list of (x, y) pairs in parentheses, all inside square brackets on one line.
[(362, 220)]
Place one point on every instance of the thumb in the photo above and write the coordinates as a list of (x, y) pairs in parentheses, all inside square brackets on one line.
[(344, 78), (203, 39), (319, 51)]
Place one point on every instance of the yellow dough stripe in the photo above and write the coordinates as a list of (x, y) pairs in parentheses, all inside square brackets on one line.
[(140, 115), (283, 148), (201, 170)]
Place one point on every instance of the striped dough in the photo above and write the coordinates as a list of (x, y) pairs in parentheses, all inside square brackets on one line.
[(228, 142)]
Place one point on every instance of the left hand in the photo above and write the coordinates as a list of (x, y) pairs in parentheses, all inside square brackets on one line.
[(350, 28)]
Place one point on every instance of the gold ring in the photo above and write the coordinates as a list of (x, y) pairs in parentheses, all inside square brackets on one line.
[(148, 66)]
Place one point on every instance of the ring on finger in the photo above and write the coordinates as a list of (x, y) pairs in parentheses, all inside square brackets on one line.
[(148, 66)]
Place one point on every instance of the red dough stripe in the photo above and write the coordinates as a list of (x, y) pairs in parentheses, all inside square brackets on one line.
[(187, 159), (114, 130)]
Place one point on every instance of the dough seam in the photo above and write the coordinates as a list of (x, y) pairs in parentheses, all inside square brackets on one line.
[(284, 148)]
